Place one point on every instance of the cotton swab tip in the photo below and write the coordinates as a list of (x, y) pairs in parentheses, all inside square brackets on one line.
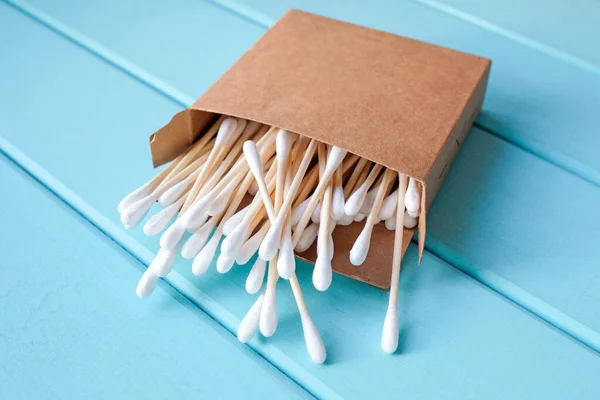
[(410, 222), (322, 274), (163, 262), (134, 196), (172, 194), (234, 221), (204, 258), (359, 251), (412, 201), (249, 324), (226, 130), (147, 284), (312, 338), (286, 263), (256, 276), (172, 235), (338, 203), (134, 213), (270, 243), (224, 263), (268, 314), (389, 336), (355, 201), (253, 158)]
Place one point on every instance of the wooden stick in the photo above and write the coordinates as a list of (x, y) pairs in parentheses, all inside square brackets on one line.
[(389, 336)]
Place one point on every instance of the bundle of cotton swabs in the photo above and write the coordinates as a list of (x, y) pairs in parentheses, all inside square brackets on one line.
[(308, 189)]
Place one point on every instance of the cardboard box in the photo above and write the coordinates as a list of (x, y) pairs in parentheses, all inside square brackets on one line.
[(402, 103)]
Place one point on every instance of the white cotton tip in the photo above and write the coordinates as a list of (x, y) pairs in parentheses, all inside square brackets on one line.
[(226, 130), (204, 258), (299, 211), (137, 194), (224, 263), (172, 235), (197, 210), (196, 242), (322, 274), (218, 205), (270, 243), (346, 220), (286, 263), (334, 159), (134, 213), (355, 201), (412, 201), (337, 203), (283, 144), (389, 335), (233, 242), (360, 217), (128, 227), (369, 201), (256, 276), (312, 338), (234, 221), (253, 189), (268, 313), (410, 222), (163, 262), (147, 284), (253, 158), (250, 248), (388, 207), (194, 224), (316, 215), (307, 238), (249, 324), (173, 194), (161, 219), (390, 223), (359, 251)]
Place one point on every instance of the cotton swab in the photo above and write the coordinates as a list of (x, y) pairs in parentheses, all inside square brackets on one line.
[(322, 274), (197, 241), (389, 336), (308, 237), (338, 200), (286, 263), (163, 262), (147, 284), (234, 221), (256, 276), (249, 324), (161, 219), (388, 207), (410, 222), (356, 199), (413, 198), (312, 338), (250, 247), (226, 134), (271, 242), (359, 251)]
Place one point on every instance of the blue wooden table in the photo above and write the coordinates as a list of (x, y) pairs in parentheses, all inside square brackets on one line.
[(505, 304)]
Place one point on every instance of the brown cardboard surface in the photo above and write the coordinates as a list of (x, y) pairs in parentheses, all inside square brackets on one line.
[(399, 102)]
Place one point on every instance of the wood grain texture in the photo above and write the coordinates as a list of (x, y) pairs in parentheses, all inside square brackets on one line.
[(72, 326), (459, 340)]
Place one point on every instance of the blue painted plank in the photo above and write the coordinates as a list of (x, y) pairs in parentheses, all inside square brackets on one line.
[(481, 243), (73, 328), (565, 29), (459, 340)]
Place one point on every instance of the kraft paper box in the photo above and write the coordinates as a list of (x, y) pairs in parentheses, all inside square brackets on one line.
[(402, 103)]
